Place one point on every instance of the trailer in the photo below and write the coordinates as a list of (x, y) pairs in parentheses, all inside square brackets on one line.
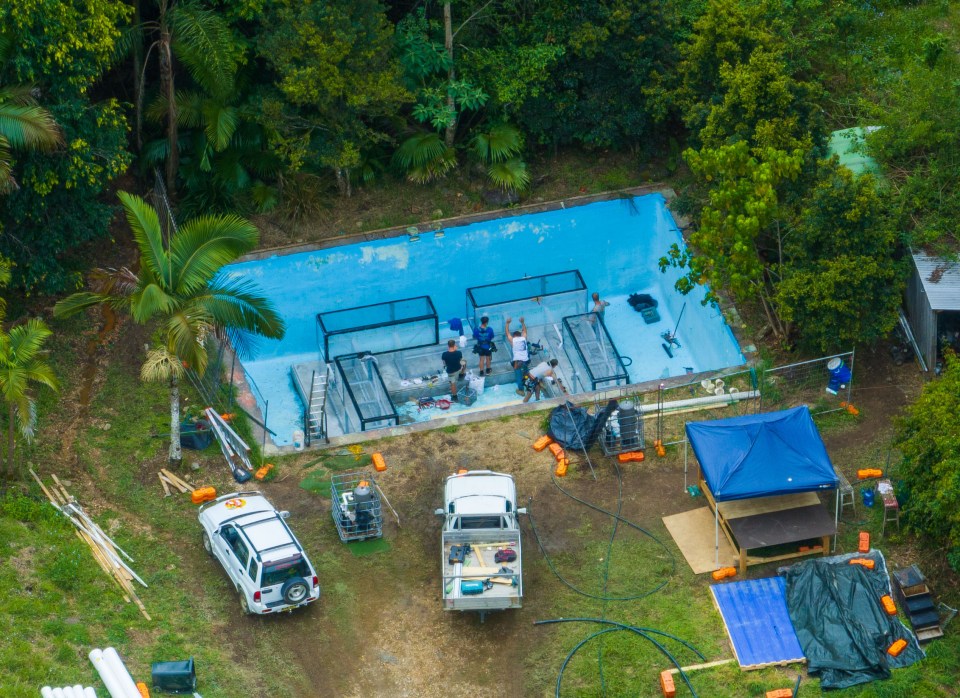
[(355, 504), (481, 555)]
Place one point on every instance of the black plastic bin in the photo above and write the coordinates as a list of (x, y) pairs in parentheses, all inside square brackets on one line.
[(174, 677)]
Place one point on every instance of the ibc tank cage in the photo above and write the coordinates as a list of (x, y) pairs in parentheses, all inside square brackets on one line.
[(378, 328), (369, 402), (592, 354), (540, 300)]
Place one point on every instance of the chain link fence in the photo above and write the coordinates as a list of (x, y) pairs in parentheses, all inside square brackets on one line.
[(823, 384)]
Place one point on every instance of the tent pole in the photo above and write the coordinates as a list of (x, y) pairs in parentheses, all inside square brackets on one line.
[(685, 444), (716, 533), (836, 518)]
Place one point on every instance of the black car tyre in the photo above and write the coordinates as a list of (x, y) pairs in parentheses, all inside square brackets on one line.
[(243, 605), (295, 590)]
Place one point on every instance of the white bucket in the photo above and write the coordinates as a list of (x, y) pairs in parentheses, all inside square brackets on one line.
[(477, 384), (298, 439)]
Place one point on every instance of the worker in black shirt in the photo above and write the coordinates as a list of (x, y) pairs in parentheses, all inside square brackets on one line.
[(455, 365)]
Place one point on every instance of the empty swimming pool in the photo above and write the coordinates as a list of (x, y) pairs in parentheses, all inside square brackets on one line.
[(612, 247)]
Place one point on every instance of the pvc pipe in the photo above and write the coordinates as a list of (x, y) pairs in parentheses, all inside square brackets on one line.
[(68, 692), (708, 400), (114, 687), (88, 692), (77, 691), (58, 693), (46, 692), (116, 665)]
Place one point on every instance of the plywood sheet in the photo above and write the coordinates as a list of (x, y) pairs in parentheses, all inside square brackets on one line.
[(779, 527), (693, 532), (740, 508)]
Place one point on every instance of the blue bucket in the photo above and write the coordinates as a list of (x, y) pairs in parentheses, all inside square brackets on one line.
[(868, 494)]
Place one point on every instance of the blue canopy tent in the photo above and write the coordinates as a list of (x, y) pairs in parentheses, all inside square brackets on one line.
[(762, 455)]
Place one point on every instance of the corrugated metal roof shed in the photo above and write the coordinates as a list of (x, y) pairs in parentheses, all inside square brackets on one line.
[(941, 281)]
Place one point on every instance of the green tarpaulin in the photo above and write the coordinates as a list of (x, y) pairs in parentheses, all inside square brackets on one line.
[(836, 612)]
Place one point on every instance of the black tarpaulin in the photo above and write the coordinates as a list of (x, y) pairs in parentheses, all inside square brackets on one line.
[(838, 617), (574, 428)]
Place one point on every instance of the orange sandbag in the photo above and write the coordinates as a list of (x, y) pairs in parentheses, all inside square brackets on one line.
[(379, 464), (144, 691), (556, 449), (888, 605), (865, 473), (661, 451), (667, 685), (542, 443), (869, 564), (561, 469), (724, 572), (864, 545), (896, 648), (262, 472), (203, 494), (780, 693), (630, 457)]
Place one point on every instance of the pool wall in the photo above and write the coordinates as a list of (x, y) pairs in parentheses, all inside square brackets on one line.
[(451, 256)]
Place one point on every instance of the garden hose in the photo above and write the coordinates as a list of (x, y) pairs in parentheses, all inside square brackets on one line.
[(603, 597), (641, 631)]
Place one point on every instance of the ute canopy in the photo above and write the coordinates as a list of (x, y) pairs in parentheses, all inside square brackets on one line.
[(762, 455)]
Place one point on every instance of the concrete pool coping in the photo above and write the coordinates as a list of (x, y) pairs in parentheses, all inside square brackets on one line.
[(441, 223), (727, 308)]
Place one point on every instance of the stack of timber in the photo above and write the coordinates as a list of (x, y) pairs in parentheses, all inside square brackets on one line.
[(105, 551), (168, 480)]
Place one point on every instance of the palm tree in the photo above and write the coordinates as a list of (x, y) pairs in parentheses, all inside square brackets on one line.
[(22, 365), (23, 124), (179, 286), (199, 38)]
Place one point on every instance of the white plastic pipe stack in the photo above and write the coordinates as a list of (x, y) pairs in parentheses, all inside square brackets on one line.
[(75, 691), (113, 673)]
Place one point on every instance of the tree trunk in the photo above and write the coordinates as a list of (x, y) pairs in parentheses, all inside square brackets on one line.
[(11, 444), (137, 81), (451, 131), (176, 455), (343, 181), (168, 89)]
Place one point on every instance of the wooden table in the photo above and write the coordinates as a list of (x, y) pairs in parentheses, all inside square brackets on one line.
[(767, 521)]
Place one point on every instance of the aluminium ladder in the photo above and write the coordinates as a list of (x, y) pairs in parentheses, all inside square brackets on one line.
[(317, 408)]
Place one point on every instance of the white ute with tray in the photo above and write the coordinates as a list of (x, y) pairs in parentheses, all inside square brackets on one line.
[(264, 560), (481, 555)]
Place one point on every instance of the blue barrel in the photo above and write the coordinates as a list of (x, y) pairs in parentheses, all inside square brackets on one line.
[(867, 493)]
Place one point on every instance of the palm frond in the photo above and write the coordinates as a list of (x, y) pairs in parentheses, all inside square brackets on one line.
[(78, 302), (204, 43), (498, 144), (7, 182), (120, 282), (510, 175), (425, 157), (147, 233), (29, 126), (185, 333), (151, 300), (161, 366), (26, 340), (203, 245), (220, 123), (237, 304)]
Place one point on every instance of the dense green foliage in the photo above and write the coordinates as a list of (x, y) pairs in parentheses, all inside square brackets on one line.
[(251, 105), (929, 440)]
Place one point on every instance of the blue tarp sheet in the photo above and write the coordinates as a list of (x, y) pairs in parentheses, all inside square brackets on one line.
[(755, 613), (762, 455)]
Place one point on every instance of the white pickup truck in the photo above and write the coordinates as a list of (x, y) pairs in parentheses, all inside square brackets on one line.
[(481, 555)]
